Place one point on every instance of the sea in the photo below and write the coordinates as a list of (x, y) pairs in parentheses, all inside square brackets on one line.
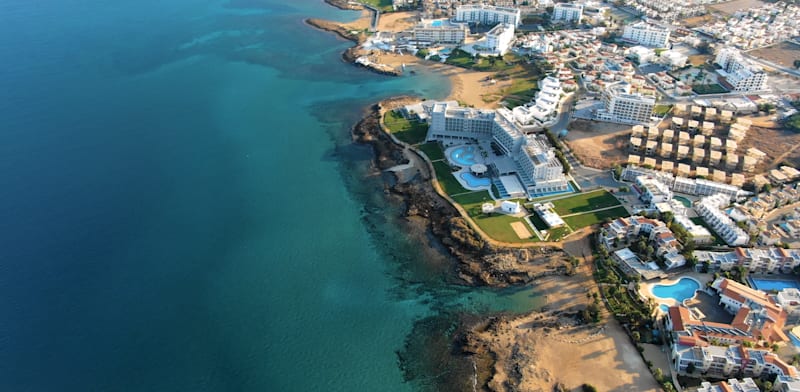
[(183, 209)]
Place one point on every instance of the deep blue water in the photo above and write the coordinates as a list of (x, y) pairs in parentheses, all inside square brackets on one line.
[(182, 209)]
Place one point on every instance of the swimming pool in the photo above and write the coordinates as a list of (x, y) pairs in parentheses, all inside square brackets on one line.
[(463, 156), (664, 308), (686, 202), (475, 182), (679, 291), (773, 284), (436, 23)]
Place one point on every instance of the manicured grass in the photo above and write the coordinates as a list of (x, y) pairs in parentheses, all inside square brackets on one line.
[(661, 110), (412, 132), (522, 87), (585, 202), (383, 5), (717, 240), (591, 218), (446, 179), (460, 58), (558, 233), (474, 198), (498, 226), (432, 150), (708, 89)]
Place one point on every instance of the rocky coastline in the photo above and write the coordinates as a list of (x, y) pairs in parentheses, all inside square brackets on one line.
[(351, 54), (476, 261)]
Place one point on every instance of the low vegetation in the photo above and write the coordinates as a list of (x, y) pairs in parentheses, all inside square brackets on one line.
[(383, 5), (444, 174), (595, 217), (708, 89), (409, 131), (432, 150), (585, 202)]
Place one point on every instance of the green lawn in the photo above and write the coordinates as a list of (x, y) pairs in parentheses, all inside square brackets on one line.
[(469, 200), (708, 89), (522, 87), (432, 150), (446, 179), (411, 132), (591, 218), (460, 58), (661, 110), (498, 226), (584, 202), (383, 5)]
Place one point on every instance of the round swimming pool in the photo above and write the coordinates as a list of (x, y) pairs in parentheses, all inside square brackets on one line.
[(463, 156), (679, 291)]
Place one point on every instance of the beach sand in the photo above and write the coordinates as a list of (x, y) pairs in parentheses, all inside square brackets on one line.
[(534, 352)]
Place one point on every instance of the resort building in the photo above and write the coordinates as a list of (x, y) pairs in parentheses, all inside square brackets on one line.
[(646, 34), (721, 361), (738, 73), (652, 190), (528, 157), (488, 14), (499, 39), (733, 385), (789, 300), (625, 230), (548, 215), (569, 12), (710, 209), (757, 319), (620, 105), (545, 107), (761, 260), (698, 233), (439, 31)]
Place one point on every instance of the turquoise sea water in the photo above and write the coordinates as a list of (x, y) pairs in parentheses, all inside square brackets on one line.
[(182, 208)]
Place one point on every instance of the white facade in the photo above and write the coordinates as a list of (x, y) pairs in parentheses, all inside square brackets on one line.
[(647, 34), (622, 106), (710, 209), (530, 157), (740, 73), (570, 12), (500, 38), (488, 15), (510, 207), (440, 31)]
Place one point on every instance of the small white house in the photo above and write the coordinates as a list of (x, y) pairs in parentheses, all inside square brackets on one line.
[(487, 208), (510, 207)]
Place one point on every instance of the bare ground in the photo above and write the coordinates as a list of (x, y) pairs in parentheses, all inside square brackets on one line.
[(536, 351), (784, 53), (733, 6), (597, 144), (780, 146)]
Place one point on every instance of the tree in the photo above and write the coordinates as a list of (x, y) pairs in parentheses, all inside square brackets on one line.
[(636, 336), (658, 374), (588, 388)]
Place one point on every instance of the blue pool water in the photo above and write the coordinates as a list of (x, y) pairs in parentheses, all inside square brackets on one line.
[(570, 189), (794, 339), (436, 23), (464, 156), (664, 308), (475, 182), (771, 284), (686, 202), (679, 291), (445, 51)]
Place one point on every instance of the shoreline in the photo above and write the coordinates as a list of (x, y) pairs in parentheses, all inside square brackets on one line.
[(491, 343)]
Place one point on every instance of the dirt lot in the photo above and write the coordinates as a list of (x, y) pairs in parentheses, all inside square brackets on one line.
[(784, 53), (733, 6), (398, 21), (779, 145), (697, 20), (598, 144)]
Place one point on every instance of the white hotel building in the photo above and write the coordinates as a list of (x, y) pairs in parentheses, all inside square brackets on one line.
[(488, 15), (530, 157), (569, 12), (622, 106), (710, 209), (647, 34), (439, 31), (740, 73)]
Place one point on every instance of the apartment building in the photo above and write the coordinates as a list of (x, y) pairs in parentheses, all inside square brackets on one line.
[(710, 209), (448, 120), (488, 14), (647, 34), (762, 260), (620, 105), (739, 73), (732, 385), (568, 12), (499, 39), (721, 362), (624, 230)]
